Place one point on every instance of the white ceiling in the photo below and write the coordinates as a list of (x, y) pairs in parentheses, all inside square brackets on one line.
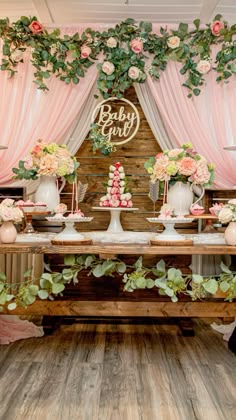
[(110, 11)]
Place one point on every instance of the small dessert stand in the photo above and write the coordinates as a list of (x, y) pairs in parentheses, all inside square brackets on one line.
[(69, 235), (28, 219), (115, 223), (170, 236)]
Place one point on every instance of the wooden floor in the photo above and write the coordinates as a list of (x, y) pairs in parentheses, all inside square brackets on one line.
[(119, 370)]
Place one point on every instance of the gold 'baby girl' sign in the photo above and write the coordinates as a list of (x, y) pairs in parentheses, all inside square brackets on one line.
[(118, 119)]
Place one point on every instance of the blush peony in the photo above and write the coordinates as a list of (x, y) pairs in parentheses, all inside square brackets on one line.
[(133, 72), (85, 51), (203, 66), (136, 46)]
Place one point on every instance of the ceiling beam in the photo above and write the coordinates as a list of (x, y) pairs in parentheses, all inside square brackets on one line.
[(43, 11), (207, 10)]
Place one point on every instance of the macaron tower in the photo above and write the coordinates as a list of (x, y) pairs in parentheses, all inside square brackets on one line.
[(117, 194)]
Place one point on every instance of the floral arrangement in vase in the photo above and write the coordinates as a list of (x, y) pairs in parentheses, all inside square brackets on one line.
[(228, 212), (9, 212), (182, 164), (47, 159)]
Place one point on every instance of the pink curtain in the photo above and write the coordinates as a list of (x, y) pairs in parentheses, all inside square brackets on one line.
[(207, 121), (28, 114)]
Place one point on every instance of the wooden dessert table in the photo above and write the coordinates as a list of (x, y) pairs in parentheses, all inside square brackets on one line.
[(130, 306)]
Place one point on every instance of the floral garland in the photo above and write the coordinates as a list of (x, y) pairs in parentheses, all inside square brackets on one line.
[(168, 281), (125, 49)]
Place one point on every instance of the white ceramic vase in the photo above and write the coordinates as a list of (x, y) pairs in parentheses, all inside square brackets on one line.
[(230, 234), (48, 192), (180, 196), (8, 232)]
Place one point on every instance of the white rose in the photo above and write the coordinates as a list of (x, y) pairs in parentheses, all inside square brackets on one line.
[(122, 197), (111, 175), (112, 168), (109, 189), (122, 176), (134, 73), (121, 169), (203, 66), (225, 215), (108, 196), (108, 68), (122, 183), (173, 42), (17, 55), (122, 190), (233, 201), (111, 42), (110, 182), (103, 198)]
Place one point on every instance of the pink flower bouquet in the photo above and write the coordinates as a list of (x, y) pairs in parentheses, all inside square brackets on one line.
[(181, 164), (47, 159)]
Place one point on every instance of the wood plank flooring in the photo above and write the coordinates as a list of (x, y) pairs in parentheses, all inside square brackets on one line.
[(119, 370)]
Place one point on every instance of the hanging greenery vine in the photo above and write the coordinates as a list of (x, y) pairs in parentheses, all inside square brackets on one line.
[(168, 281), (126, 48)]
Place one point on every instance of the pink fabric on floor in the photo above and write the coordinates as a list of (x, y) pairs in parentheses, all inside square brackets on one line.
[(12, 328)]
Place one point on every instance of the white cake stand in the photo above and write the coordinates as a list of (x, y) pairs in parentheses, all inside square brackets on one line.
[(69, 233), (115, 224), (169, 234)]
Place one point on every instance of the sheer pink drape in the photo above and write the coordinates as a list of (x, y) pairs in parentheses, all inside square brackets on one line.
[(207, 121), (28, 114)]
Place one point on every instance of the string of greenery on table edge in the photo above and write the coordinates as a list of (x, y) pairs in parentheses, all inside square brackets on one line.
[(169, 282)]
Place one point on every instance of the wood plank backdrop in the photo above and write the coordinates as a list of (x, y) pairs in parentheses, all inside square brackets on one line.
[(94, 169)]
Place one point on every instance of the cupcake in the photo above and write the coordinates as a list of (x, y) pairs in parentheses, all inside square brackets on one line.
[(40, 206), (215, 209), (26, 206), (197, 210)]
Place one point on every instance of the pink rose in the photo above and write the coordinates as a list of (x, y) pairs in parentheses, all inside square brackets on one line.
[(116, 178), (115, 184), (108, 68), (216, 26), (124, 203), (37, 150), (36, 27), (115, 197), (85, 51), (28, 164), (136, 46), (159, 155), (133, 73), (203, 66), (117, 165), (116, 173)]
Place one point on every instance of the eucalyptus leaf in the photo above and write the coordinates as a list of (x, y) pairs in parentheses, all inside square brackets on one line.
[(197, 278), (11, 306), (224, 286), (57, 288), (69, 259), (43, 294), (211, 286), (224, 268)]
